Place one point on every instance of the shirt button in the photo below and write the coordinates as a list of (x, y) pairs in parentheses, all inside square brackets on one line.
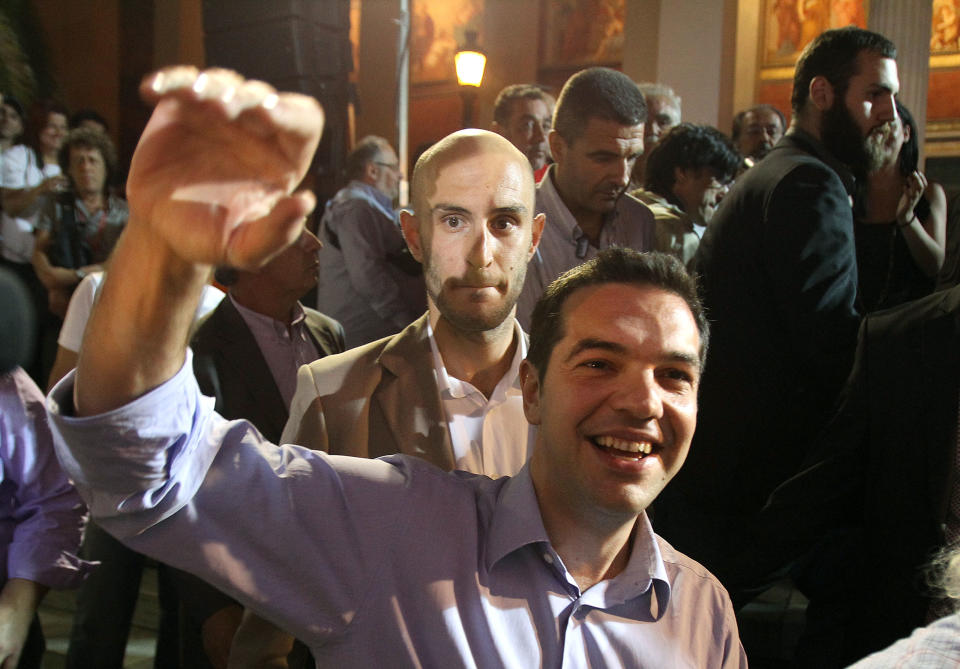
[(548, 558)]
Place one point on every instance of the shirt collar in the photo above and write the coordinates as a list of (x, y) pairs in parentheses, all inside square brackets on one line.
[(516, 522), (108, 206), (364, 191), (807, 142), (448, 385), (548, 199), (254, 318)]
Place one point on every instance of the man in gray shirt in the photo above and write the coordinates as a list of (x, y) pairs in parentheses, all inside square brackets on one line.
[(596, 139), (368, 281)]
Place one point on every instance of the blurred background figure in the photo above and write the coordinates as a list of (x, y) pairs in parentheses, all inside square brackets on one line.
[(756, 130), (687, 174), (663, 112), (523, 113), (369, 282), (900, 222), (79, 227), (11, 123), (31, 171)]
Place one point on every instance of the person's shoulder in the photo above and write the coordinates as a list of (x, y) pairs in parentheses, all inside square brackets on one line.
[(792, 164), (904, 318), (321, 321), (633, 209), (686, 572), (333, 372)]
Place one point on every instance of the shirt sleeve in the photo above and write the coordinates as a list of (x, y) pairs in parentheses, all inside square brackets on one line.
[(81, 303), (42, 508), (297, 535), (14, 172), (366, 239)]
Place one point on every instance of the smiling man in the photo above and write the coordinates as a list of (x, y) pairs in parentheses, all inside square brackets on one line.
[(597, 138), (446, 388), (556, 566)]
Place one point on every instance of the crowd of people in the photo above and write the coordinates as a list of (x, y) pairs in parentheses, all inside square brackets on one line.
[(609, 376)]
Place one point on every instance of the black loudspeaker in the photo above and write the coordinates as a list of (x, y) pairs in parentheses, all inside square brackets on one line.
[(294, 45)]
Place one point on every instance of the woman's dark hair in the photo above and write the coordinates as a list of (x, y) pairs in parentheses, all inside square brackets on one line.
[(39, 117), (910, 151)]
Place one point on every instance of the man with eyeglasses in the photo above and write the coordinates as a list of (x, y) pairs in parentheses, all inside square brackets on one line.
[(368, 281), (687, 174)]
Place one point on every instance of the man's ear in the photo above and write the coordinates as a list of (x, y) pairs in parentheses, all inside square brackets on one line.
[(538, 222), (371, 172), (410, 226), (558, 147), (530, 387), (821, 93)]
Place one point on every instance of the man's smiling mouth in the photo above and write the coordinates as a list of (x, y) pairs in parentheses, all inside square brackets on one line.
[(622, 447)]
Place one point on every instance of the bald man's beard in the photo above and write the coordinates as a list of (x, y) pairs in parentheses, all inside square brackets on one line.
[(469, 316)]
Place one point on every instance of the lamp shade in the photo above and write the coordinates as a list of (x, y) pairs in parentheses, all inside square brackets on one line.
[(470, 66)]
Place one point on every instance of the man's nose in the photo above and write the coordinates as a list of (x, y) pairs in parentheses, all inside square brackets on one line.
[(887, 108), (621, 173), (481, 253), (538, 134), (640, 396)]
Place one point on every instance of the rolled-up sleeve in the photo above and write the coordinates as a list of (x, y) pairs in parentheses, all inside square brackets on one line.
[(172, 479)]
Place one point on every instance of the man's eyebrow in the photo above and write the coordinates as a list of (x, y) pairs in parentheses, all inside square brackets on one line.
[(510, 209), (449, 208), (686, 358), (457, 209), (590, 343)]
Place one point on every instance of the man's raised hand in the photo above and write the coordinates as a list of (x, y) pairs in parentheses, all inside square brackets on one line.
[(215, 170)]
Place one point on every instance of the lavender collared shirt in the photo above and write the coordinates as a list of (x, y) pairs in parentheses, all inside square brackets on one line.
[(41, 515), (285, 348), (388, 562)]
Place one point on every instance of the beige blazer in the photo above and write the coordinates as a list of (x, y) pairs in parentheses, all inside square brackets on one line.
[(373, 400)]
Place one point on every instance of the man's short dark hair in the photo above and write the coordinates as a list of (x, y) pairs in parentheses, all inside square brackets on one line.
[(613, 265), (741, 116), (90, 138), (503, 106), (689, 146), (833, 54), (598, 92), (366, 151)]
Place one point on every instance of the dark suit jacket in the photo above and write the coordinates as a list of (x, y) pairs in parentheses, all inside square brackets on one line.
[(779, 281), (229, 366), (883, 471)]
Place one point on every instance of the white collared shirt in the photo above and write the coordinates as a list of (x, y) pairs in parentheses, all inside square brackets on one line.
[(489, 436)]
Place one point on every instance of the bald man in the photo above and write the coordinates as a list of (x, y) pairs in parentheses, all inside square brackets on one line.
[(446, 388)]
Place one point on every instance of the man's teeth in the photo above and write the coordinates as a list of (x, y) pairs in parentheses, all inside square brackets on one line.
[(624, 445)]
